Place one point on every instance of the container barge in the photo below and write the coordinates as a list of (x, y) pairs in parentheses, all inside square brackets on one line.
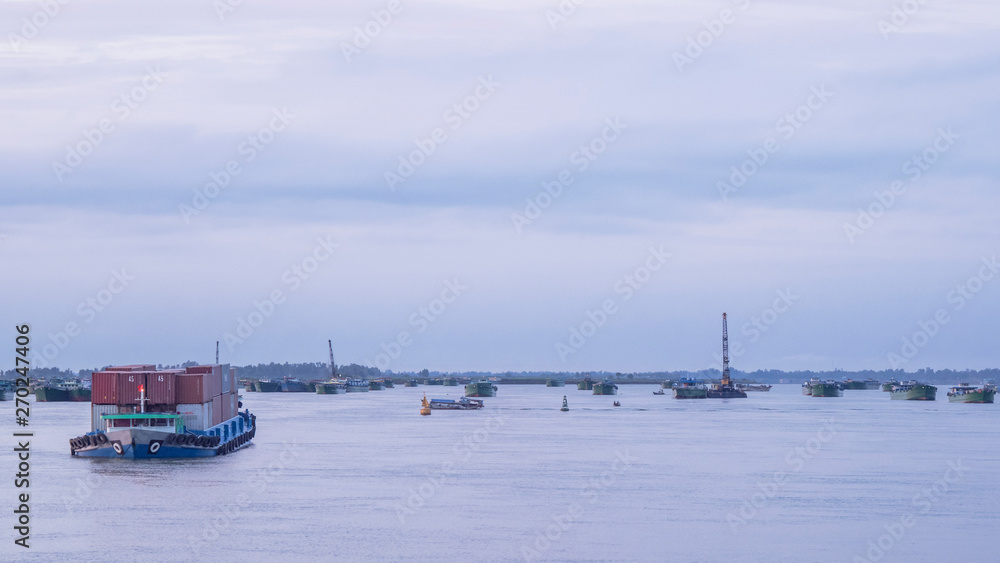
[(140, 412)]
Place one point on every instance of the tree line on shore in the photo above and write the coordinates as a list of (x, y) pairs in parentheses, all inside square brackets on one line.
[(321, 371)]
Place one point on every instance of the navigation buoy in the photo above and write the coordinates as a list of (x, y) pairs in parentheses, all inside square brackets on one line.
[(565, 406), (425, 407)]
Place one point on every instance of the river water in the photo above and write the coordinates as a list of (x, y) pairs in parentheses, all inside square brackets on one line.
[(364, 477)]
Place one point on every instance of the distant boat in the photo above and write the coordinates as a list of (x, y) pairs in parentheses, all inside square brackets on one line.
[(725, 389), (555, 383), (463, 403), (375, 385), (411, 383), (267, 386), (65, 390), (827, 389), (808, 385), (293, 385), (605, 388), (357, 385), (449, 382), (667, 384), (687, 388), (658, 392), (966, 393), (482, 388), (334, 387), (913, 391), (585, 384), (888, 385), (755, 387)]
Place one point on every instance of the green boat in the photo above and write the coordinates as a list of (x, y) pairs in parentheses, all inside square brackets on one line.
[(827, 389), (807, 386), (687, 388), (854, 385), (434, 382), (375, 385), (913, 391), (555, 383), (449, 382), (388, 383), (966, 393), (480, 389), (585, 384), (605, 388), (411, 383), (63, 391), (331, 388), (888, 385), (267, 386)]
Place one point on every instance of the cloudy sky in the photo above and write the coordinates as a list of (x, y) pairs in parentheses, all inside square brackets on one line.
[(502, 185)]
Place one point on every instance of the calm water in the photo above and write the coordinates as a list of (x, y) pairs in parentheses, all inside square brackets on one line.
[(364, 477)]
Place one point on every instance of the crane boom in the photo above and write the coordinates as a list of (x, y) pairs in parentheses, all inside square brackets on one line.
[(725, 352)]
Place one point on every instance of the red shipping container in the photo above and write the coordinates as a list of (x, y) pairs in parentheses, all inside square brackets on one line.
[(128, 387), (217, 410), (199, 369), (104, 388), (160, 388), (136, 367), (193, 388)]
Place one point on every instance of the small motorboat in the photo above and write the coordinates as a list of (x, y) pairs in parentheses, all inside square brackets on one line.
[(617, 404), (658, 392), (463, 403)]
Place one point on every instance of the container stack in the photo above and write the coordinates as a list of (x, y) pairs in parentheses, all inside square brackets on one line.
[(204, 395)]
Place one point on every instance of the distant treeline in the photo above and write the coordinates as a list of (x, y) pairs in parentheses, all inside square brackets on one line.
[(321, 371)]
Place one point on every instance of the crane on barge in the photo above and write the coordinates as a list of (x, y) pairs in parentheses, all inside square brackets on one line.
[(725, 388)]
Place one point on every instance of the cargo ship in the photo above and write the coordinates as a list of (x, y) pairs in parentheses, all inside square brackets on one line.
[(294, 385), (827, 389), (913, 391), (411, 383), (449, 382), (555, 383), (808, 385), (888, 385), (966, 393), (461, 404), (725, 389), (605, 388), (358, 385), (687, 388), (434, 381), (139, 412), (585, 384), (267, 386), (387, 382), (375, 385), (755, 387), (482, 388), (64, 390)]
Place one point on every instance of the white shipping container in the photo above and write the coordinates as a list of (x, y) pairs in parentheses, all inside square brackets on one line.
[(197, 416), (96, 422)]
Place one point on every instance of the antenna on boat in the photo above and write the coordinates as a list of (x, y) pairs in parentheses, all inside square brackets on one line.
[(333, 366), (725, 352), (216, 352)]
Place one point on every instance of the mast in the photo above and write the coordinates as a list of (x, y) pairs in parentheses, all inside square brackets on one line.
[(725, 352), (216, 352), (333, 366)]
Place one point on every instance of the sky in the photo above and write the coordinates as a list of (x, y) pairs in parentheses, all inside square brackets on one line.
[(502, 185)]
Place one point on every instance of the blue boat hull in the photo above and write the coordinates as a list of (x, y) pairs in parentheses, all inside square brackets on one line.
[(151, 443)]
